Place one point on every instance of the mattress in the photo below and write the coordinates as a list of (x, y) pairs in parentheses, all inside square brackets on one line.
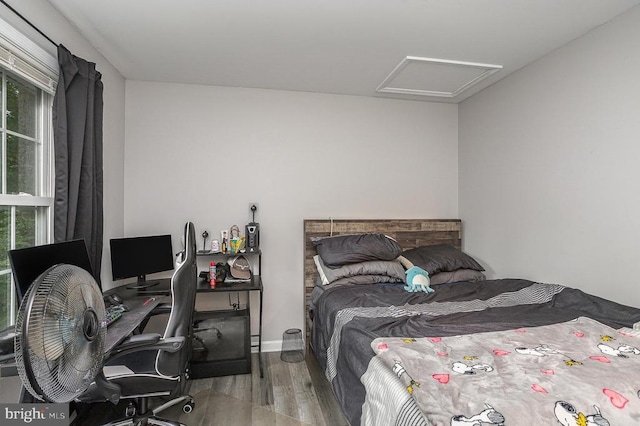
[(371, 340)]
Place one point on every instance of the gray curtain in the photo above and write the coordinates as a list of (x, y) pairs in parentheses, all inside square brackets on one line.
[(77, 122)]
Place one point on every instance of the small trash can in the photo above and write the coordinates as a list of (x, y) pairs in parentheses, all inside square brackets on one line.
[(292, 348)]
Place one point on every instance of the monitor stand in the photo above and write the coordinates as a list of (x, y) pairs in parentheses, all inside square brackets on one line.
[(142, 283)]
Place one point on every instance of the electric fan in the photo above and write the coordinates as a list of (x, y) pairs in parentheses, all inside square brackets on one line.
[(60, 334)]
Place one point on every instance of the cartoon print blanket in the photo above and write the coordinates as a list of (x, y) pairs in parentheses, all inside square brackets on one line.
[(578, 373)]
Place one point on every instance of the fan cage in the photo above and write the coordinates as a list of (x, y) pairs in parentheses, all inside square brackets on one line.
[(60, 334)]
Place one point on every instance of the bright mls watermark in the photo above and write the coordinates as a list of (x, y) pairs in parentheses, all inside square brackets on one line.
[(35, 414)]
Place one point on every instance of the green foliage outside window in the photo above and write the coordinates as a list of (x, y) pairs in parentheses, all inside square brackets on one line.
[(19, 151)]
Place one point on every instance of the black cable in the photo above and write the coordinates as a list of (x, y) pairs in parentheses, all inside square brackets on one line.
[(28, 22)]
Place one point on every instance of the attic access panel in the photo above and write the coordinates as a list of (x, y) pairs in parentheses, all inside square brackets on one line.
[(435, 77)]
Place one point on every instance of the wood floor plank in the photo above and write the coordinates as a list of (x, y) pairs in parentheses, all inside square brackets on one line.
[(226, 410), (196, 386), (279, 370), (289, 394), (306, 399), (329, 406), (262, 388)]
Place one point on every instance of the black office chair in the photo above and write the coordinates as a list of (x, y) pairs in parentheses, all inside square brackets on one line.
[(142, 374)]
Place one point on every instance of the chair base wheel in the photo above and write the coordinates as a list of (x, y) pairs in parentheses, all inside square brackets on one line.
[(130, 411), (188, 407)]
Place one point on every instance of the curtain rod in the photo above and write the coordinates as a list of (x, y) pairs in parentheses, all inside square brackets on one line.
[(28, 22)]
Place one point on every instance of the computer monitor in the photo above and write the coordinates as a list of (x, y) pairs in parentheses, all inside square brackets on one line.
[(28, 263), (139, 256)]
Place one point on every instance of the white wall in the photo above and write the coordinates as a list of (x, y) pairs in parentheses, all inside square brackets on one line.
[(202, 153), (549, 170), (45, 17)]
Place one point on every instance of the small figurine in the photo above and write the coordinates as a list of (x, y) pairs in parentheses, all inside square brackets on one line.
[(418, 280)]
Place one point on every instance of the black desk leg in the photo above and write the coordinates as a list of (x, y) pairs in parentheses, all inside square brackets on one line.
[(260, 337)]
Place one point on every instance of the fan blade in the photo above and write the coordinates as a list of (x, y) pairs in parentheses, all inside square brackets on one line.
[(84, 354), (87, 295)]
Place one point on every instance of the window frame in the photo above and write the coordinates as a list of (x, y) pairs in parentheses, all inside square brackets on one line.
[(24, 61), (44, 179)]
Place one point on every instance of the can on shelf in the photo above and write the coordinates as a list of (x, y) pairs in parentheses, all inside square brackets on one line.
[(212, 274)]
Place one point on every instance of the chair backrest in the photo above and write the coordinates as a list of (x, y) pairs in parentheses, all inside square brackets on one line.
[(183, 299)]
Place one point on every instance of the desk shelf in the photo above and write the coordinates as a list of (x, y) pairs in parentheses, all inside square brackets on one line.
[(254, 284), (214, 367), (228, 253)]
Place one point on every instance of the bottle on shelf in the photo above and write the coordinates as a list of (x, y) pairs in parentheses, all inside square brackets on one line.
[(224, 245), (212, 274)]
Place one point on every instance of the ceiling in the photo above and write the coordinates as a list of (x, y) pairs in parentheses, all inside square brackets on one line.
[(348, 47)]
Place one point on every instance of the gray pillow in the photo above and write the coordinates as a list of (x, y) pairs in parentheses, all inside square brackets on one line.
[(459, 275), (344, 249), (365, 279), (441, 258), (392, 271)]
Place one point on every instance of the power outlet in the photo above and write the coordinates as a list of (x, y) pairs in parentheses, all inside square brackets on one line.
[(253, 209)]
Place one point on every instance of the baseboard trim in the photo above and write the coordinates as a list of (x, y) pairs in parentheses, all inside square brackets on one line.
[(267, 346)]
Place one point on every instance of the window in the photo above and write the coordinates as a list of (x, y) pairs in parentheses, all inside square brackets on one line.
[(26, 191), (28, 77)]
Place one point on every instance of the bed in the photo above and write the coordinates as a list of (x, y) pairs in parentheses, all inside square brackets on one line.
[(477, 352)]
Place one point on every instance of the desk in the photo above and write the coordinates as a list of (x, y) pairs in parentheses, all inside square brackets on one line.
[(139, 308), (163, 288)]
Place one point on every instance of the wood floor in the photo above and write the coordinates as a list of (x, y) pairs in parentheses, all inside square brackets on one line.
[(289, 394)]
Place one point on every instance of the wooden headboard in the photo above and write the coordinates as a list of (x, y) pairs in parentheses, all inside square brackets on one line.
[(409, 233)]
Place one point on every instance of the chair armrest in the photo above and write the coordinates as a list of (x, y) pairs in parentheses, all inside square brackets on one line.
[(163, 308), (147, 342), (136, 343), (139, 340)]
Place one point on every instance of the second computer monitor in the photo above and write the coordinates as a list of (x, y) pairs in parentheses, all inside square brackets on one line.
[(139, 256)]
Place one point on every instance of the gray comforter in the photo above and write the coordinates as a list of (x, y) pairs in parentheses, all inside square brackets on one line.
[(347, 319)]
